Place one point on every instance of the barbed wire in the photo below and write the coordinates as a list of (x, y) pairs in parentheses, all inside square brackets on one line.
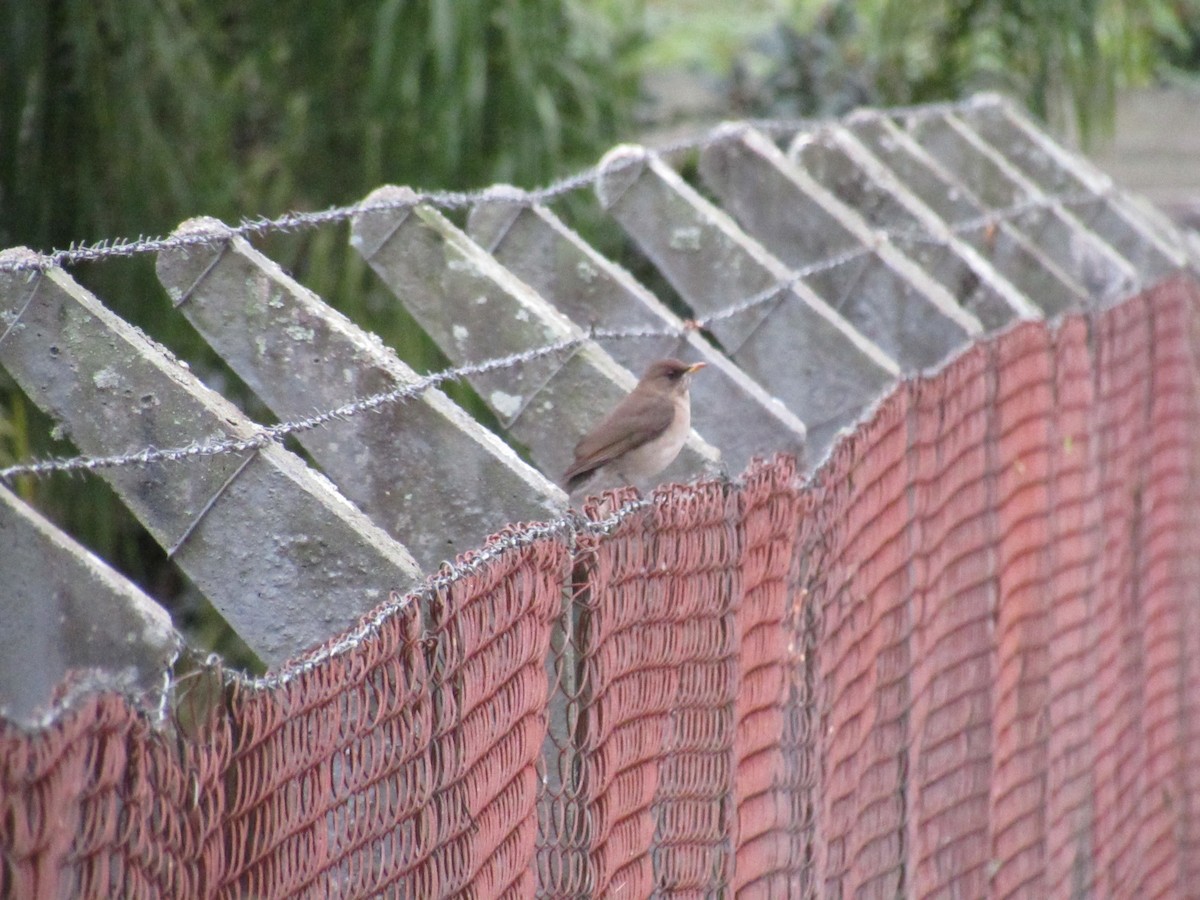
[(296, 221), (124, 247), (276, 433), (567, 527), (266, 435)]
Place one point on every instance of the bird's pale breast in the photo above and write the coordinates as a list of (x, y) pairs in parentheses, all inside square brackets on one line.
[(654, 456)]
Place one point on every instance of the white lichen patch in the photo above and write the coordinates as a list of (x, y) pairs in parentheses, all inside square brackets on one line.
[(106, 379), (460, 333), (686, 239), (507, 405), (586, 271), (299, 333), (522, 314)]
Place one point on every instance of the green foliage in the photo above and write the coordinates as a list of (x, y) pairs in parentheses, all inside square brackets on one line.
[(820, 67), (1064, 59), (1177, 30), (124, 116)]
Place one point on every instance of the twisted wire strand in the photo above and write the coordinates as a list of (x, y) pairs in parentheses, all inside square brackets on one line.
[(263, 436), (124, 247)]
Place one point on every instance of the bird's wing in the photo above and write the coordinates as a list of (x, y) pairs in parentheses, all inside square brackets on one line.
[(626, 427)]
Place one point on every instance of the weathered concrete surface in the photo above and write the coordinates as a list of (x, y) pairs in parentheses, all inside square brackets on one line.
[(280, 553), (424, 470), (794, 344), (729, 408), (667, 217), (1061, 233), (64, 611), (1019, 259), (475, 309), (803, 224), (1138, 232), (801, 220)]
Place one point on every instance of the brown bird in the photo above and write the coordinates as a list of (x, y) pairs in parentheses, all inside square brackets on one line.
[(644, 432)]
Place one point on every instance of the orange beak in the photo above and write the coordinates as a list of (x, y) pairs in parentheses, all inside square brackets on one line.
[(696, 367)]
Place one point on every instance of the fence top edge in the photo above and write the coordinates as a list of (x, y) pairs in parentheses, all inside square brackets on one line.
[(259, 225)]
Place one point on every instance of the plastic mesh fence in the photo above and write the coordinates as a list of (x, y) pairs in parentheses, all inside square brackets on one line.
[(963, 660)]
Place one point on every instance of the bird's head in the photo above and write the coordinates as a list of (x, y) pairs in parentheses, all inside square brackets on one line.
[(671, 375)]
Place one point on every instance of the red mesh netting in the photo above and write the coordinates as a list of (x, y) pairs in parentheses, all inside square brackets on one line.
[(405, 765), (1004, 563), (964, 660)]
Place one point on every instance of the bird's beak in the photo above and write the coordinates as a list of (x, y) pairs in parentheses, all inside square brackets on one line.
[(695, 367)]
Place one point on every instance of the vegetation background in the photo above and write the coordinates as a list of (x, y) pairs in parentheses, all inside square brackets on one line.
[(123, 117)]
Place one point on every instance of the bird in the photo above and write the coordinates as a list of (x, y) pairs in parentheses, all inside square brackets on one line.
[(643, 433)]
